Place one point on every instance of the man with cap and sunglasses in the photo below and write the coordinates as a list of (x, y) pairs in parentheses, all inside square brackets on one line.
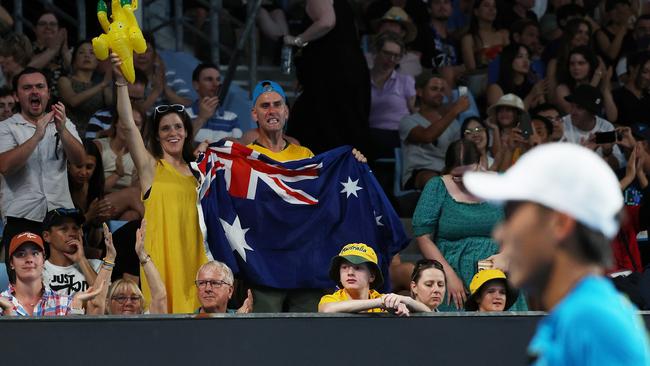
[(27, 295), (67, 270), (34, 147), (562, 208), (271, 112), (357, 273), (583, 122)]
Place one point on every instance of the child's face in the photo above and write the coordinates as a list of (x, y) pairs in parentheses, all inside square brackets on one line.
[(355, 276)]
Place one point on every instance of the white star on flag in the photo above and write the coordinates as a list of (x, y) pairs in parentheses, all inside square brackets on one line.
[(377, 218), (236, 236), (350, 187)]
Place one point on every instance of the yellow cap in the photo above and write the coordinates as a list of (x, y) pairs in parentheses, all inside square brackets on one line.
[(480, 279), (357, 253)]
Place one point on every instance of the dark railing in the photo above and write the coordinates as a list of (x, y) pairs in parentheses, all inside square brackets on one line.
[(271, 339)]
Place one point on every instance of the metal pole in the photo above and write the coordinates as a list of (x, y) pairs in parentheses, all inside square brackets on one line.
[(232, 66), (18, 15), (252, 74), (178, 24), (81, 10), (213, 15)]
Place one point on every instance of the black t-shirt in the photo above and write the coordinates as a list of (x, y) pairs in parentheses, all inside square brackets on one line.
[(631, 109), (436, 51), (506, 16)]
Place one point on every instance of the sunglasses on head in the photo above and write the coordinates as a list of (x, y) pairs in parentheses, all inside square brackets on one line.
[(423, 264), (164, 108)]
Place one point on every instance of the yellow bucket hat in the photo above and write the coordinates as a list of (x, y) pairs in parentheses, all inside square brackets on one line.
[(357, 253), (480, 279)]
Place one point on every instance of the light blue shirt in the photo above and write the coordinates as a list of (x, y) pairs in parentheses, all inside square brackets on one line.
[(593, 325)]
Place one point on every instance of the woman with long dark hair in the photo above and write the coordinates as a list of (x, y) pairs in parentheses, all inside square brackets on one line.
[(174, 240), (82, 91), (516, 78), (584, 67), (483, 42)]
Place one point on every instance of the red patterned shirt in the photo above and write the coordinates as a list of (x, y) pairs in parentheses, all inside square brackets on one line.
[(51, 303)]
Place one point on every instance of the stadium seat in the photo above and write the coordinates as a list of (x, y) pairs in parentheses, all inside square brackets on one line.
[(406, 199), (4, 280)]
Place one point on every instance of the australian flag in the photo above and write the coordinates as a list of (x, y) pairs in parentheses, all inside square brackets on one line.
[(279, 224)]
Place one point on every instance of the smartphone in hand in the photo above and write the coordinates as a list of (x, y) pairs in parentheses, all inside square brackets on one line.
[(525, 125), (608, 137)]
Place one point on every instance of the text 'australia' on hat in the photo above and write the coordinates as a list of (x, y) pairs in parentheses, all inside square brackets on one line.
[(267, 86), (357, 253), (564, 177)]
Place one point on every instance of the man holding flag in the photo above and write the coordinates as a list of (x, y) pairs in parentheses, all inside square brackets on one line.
[(276, 219)]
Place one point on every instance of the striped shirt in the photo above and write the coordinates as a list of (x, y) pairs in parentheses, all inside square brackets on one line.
[(51, 303)]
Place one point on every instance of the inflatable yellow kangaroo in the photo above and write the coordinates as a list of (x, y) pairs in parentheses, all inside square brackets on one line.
[(122, 36)]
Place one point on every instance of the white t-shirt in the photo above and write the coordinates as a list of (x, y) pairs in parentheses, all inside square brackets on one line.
[(575, 135), (67, 280)]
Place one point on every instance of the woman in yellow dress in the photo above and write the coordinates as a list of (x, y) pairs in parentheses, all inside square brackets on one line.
[(174, 240)]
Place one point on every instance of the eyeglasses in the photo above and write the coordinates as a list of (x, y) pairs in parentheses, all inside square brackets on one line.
[(124, 299), (47, 24), (391, 55), (212, 283), (423, 264), (473, 131)]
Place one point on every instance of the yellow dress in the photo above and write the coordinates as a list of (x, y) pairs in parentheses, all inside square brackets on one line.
[(173, 238)]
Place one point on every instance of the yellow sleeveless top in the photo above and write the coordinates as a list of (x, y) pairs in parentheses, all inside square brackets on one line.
[(173, 238)]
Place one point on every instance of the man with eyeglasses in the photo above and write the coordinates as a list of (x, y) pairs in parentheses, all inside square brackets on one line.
[(562, 207), (35, 146), (67, 270), (214, 281), (100, 123), (552, 113)]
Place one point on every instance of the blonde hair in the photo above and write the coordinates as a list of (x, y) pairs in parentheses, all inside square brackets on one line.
[(220, 267), (121, 286)]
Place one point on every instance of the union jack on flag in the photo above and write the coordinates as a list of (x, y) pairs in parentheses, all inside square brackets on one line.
[(279, 224)]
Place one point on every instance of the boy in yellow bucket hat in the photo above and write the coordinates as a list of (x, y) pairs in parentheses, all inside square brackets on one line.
[(357, 273), (490, 291)]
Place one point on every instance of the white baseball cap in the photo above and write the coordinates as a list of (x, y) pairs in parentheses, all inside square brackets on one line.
[(561, 176)]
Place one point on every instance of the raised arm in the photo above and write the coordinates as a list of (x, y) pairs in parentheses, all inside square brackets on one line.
[(144, 162), (427, 135), (321, 12), (98, 304), (14, 159), (156, 285), (74, 150)]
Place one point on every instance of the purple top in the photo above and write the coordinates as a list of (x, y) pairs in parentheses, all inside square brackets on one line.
[(390, 103)]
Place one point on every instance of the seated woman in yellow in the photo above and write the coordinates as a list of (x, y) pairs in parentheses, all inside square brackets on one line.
[(357, 273)]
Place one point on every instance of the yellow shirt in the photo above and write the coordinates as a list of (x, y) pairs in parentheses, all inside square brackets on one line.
[(289, 153), (341, 295)]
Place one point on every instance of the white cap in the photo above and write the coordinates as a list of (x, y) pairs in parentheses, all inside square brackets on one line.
[(561, 176)]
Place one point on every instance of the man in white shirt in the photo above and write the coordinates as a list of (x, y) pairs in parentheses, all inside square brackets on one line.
[(35, 145), (67, 270), (582, 123)]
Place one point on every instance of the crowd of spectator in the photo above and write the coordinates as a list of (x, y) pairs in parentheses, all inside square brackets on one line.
[(444, 87)]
